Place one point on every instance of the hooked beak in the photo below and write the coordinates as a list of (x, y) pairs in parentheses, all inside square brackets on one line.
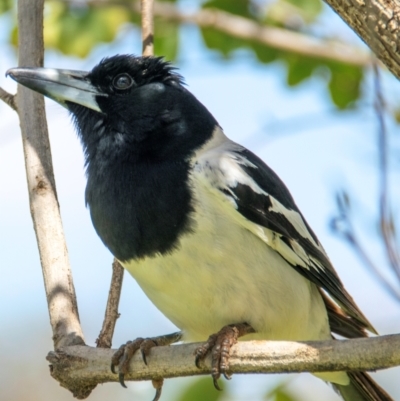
[(60, 85)]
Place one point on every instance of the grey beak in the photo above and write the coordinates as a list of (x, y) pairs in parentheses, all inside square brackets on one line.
[(59, 85)]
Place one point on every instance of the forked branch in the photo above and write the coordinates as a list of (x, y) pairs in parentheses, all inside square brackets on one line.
[(77, 367)]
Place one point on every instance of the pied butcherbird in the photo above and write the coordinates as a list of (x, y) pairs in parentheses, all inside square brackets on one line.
[(207, 229)]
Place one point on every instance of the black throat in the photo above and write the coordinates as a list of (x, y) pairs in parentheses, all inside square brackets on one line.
[(140, 209)]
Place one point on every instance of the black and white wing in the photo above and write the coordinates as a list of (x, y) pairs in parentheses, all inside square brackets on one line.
[(270, 212)]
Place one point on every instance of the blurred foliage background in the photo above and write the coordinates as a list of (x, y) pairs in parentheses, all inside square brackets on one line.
[(76, 27)]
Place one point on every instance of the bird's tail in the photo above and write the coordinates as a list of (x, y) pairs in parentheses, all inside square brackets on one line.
[(362, 388)]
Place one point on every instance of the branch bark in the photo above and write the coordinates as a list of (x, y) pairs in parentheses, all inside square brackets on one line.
[(105, 337), (377, 23), (8, 99), (43, 201), (77, 367), (147, 12)]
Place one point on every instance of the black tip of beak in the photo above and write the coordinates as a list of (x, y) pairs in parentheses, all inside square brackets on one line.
[(10, 73)]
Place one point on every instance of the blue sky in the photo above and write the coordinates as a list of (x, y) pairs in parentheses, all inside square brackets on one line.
[(316, 151)]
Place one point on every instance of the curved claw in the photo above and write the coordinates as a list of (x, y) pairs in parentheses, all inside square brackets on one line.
[(122, 357), (121, 378), (216, 385), (144, 358), (117, 356), (227, 377), (112, 367), (203, 350), (219, 346), (158, 394), (197, 361)]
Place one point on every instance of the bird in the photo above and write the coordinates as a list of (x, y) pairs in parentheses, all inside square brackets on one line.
[(210, 233)]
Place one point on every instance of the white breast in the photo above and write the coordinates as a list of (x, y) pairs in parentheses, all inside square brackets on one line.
[(222, 274)]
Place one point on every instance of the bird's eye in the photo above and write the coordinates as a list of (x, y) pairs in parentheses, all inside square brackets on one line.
[(122, 81)]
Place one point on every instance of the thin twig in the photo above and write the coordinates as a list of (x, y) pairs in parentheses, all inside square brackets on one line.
[(105, 337), (77, 366), (343, 226), (8, 99), (244, 28), (385, 216), (147, 12), (60, 292)]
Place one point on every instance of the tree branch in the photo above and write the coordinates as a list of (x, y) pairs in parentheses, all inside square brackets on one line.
[(105, 337), (147, 12), (43, 201), (79, 366), (377, 23), (244, 28), (8, 99)]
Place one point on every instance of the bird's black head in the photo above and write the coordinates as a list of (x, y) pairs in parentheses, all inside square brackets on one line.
[(127, 107)]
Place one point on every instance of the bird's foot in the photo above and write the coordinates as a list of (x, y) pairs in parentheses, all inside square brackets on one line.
[(219, 345), (123, 356)]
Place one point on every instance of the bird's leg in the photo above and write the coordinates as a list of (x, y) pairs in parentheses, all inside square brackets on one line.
[(220, 344), (123, 356)]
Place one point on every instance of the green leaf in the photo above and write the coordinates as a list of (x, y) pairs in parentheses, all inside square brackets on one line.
[(281, 395), (166, 39), (220, 41), (5, 5), (264, 53), (76, 30), (202, 390), (344, 84), (284, 13), (237, 7), (310, 9), (299, 68), (14, 35)]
